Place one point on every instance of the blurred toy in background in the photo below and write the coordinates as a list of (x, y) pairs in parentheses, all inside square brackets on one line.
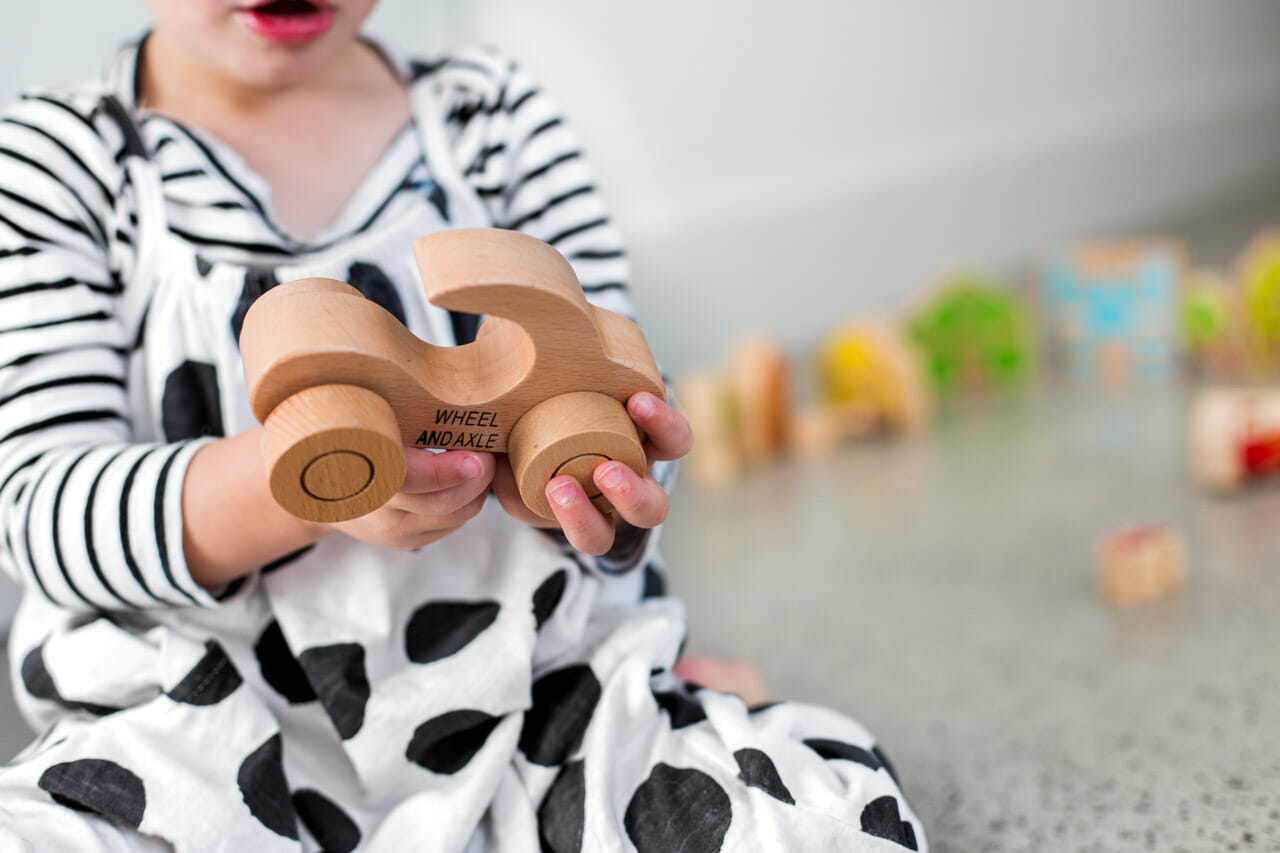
[(1111, 310), (741, 412), (759, 374), (1141, 564), (1214, 336), (709, 404), (869, 381), (1258, 272), (974, 333), (1234, 436), (1113, 313)]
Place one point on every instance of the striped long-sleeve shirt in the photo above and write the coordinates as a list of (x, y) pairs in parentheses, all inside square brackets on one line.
[(89, 515)]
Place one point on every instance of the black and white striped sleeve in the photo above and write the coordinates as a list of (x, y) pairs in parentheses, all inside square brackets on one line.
[(88, 518), (525, 161)]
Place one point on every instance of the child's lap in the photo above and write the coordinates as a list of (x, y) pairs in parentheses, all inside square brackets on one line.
[(533, 699), (609, 746)]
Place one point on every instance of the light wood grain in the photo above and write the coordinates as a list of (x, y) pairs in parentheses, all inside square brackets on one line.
[(571, 434), (333, 452), (540, 339)]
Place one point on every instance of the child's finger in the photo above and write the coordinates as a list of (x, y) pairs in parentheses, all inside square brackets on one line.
[(508, 494), (435, 472), (668, 434), (639, 501), (586, 528), (439, 507)]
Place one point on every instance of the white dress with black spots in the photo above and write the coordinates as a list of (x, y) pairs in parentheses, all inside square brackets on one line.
[(493, 691)]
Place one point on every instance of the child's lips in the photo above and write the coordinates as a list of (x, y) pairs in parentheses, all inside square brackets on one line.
[(287, 21)]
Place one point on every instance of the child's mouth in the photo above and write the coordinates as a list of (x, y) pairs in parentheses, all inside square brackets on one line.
[(287, 21)]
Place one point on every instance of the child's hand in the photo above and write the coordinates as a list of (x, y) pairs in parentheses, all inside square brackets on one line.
[(441, 492), (638, 501)]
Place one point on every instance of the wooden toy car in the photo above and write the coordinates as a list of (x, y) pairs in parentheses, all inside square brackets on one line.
[(341, 386)]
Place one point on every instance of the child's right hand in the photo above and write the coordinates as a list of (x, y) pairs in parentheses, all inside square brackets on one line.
[(441, 492), (232, 525)]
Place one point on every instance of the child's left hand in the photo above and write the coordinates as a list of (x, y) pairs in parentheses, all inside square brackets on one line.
[(638, 501)]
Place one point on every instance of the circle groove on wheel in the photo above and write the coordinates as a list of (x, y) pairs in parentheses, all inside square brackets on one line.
[(332, 476), (571, 433), (581, 468)]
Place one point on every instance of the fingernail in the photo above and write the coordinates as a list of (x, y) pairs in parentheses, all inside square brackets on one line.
[(471, 467), (610, 476), (564, 493), (642, 405)]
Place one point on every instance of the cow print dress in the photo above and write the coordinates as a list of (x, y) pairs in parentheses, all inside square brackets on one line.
[(493, 691)]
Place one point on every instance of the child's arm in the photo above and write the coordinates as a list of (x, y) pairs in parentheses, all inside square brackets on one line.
[(89, 517), (234, 526)]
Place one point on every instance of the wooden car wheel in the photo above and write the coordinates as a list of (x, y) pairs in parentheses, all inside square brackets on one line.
[(571, 434), (333, 452)]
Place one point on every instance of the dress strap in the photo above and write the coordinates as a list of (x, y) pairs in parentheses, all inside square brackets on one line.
[(144, 177), (465, 208)]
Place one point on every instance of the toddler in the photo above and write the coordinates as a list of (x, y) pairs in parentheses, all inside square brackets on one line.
[(447, 673)]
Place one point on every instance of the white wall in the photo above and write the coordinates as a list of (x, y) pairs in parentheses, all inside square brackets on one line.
[(780, 166)]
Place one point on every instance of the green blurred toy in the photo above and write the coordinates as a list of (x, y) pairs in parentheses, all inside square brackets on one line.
[(1212, 328), (974, 333)]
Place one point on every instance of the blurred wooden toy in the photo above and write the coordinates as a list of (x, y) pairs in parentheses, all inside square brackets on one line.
[(741, 412), (707, 400), (342, 386), (974, 334), (1213, 329), (1141, 564), (869, 381), (759, 374), (1111, 310), (1234, 436), (1258, 273)]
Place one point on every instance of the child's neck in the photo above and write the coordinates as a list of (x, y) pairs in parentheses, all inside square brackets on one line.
[(312, 141)]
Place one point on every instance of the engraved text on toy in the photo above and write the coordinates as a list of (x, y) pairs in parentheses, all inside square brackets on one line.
[(478, 440)]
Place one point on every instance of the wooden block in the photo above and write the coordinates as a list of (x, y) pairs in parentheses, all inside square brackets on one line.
[(1141, 564), (540, 340)]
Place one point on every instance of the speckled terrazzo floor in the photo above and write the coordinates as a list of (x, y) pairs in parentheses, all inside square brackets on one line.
[(941, 591)]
